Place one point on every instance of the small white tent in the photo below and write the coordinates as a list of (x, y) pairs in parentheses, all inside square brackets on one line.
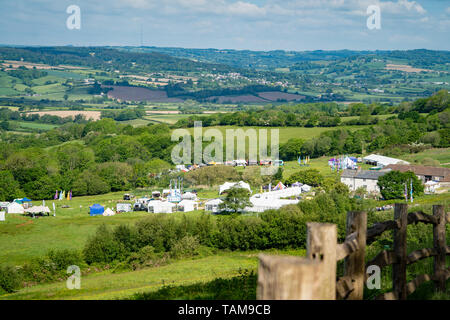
[(187, 205), (14, 207), (108, 212), (189, 196), (306, 188), (213, 205)]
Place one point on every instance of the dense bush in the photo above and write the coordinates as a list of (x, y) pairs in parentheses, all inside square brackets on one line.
[(10, 279), (310, 177)]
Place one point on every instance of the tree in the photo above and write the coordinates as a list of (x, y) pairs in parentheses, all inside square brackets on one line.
[(310, 177), (291, 149), (392, 184), (9, 187), (236, 199)]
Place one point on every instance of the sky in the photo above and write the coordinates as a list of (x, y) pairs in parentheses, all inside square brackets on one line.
[(292, 25)]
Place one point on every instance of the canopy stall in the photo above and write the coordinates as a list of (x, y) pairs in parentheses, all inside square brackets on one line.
[(96, 209)]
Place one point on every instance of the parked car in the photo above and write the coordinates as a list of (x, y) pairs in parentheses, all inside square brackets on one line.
[(279, 163)]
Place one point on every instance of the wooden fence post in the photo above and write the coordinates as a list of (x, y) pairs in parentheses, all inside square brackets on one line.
[(354, 265), (287, 278), (439, 243), (321, 247), (399, 267)]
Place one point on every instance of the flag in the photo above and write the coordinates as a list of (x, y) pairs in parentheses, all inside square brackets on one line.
[(411, 191), (56, 195), (406, 192), (60, 195), (54, 209), (70, 195)]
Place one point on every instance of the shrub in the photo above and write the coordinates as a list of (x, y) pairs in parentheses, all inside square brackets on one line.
[(10, 279), (62, 259), (185, 247), (310, 177), (103, 247)]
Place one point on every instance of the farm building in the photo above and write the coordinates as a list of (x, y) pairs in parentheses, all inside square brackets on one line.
[(15, 207), (123, 207), (367, 179), (158, 206), (187, 205), (213, 205), (228, 185), (382, 161), (96, 209), (424, 173)]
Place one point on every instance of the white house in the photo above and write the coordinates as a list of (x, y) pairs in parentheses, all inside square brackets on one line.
[(14, 207), (187, 205), (213, 205), (367, 179), (158, 206)]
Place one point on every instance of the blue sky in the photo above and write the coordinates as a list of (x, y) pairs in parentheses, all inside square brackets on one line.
[(230, 24)]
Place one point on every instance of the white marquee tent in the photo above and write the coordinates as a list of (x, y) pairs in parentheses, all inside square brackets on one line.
[(261, 205), (14, 207), (283, 193), (158, 206), (187, 205), (382, 161), (228, 185), (189, 196), (37, 209), (213, 205)]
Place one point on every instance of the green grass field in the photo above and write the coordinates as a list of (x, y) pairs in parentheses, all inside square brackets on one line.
[(285, 133)]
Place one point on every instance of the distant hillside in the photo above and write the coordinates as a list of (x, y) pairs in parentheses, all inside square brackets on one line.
[(107, 59), (280, 58)]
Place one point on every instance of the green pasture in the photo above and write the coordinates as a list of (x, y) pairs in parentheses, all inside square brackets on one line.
[(285, 133)]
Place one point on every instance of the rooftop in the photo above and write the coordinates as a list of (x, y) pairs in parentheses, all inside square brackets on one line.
[(364, 174), (423, 170)]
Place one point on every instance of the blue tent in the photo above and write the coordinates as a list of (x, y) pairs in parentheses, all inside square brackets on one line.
[(96, 209)]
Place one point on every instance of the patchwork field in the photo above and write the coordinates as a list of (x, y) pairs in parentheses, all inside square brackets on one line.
[(95, 115), (139, 94)]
